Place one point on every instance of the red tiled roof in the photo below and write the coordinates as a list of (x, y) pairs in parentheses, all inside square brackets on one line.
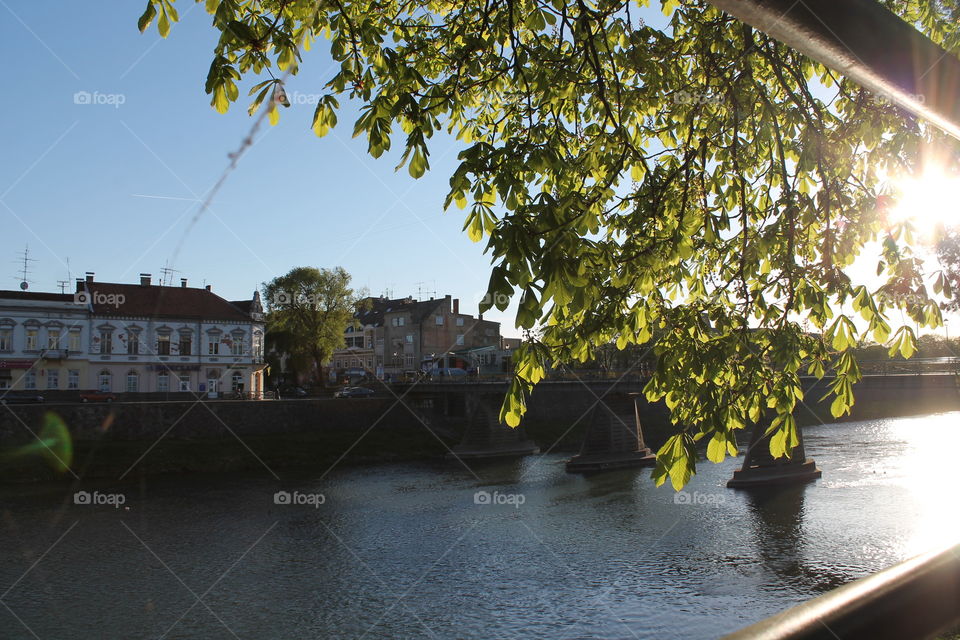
[(36, 295), (160, 302)]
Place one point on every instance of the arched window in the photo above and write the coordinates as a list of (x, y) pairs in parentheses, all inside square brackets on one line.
[(105, 380), (133, 381)]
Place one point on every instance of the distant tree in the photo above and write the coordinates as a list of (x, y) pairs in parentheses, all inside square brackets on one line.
[(948, 253), (696, 183), (307, 311)]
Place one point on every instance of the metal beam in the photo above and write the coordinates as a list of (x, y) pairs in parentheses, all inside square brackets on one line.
[(870, 45), (918, 598)]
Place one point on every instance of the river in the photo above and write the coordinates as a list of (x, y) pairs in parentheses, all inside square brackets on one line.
[(414, 551)]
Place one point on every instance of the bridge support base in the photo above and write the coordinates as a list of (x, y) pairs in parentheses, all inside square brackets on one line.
[(487, 437), (761, 469), (612, 442)]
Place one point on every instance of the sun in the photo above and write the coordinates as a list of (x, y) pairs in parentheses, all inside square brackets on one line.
[(927, 201)]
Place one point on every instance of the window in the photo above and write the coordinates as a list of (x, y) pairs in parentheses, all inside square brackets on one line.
[(31, 341), (163, 383), (236, 343), (185, 383), (236, 381), (460, 338), (133, 382), (163, 344), (337, 366), (74, 340), (105, 380), (459, 322), (6, 339), (53, 378), (73, 379), (409, 338), (133, 343), (439, 320), (53, 338), (30, 380), (186, 344), (257, 345), (213, 347), (106, 342), (398, 321)]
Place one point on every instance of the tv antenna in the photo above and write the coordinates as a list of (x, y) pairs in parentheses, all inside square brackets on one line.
[(25, 268), (64, 283), (420, 291), (166, 274)]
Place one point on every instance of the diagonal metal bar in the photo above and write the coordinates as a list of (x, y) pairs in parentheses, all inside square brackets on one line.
[(869, 44)]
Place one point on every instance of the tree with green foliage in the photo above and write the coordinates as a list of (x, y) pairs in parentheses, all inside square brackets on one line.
[(698, 181), (307, 312)]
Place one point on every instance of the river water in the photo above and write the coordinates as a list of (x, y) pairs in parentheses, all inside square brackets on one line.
[(414, 551)]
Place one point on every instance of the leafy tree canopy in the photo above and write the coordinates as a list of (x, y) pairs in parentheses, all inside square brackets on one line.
[(701, 182), (307, 311)]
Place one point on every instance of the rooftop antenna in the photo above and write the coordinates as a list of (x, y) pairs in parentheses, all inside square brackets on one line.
[(64, 283), (25, 268), (421, 292), (166, 274)]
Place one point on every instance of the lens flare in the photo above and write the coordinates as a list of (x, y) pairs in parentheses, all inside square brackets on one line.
[(53, 444)]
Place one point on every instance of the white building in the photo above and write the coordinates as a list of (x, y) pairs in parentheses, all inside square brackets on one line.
[(128, 338)]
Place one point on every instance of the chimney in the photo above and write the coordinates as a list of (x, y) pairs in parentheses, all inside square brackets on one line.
[(144, 279), (456, 305), (79, 284), (183, 283), (208, 287), (89, 276)]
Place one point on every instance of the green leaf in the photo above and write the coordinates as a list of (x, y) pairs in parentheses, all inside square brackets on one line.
[(163, 26), (148, 15)]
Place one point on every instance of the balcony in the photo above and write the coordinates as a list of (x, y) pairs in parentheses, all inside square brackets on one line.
[(55, 354)]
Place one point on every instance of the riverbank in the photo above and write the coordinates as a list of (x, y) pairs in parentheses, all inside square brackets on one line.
[(144, 439)]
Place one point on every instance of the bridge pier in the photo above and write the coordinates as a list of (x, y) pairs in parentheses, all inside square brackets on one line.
[(612, 441), (487, 437), (761, 469)]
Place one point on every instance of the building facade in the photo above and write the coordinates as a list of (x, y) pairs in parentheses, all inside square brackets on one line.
[(393, 337), (132, 338)]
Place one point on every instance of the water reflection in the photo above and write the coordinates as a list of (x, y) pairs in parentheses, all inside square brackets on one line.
[(777, 518), (407, 551)]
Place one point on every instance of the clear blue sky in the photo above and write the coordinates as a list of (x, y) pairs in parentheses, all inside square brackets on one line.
[(73, 177), (113, 188)]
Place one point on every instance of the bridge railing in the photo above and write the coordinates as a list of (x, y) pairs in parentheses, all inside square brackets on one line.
[(914, 366), (918, 598)]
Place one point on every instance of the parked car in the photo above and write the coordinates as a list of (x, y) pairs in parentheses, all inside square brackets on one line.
[(20, 398), (353, 392), (296, 392), (97, 396)]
